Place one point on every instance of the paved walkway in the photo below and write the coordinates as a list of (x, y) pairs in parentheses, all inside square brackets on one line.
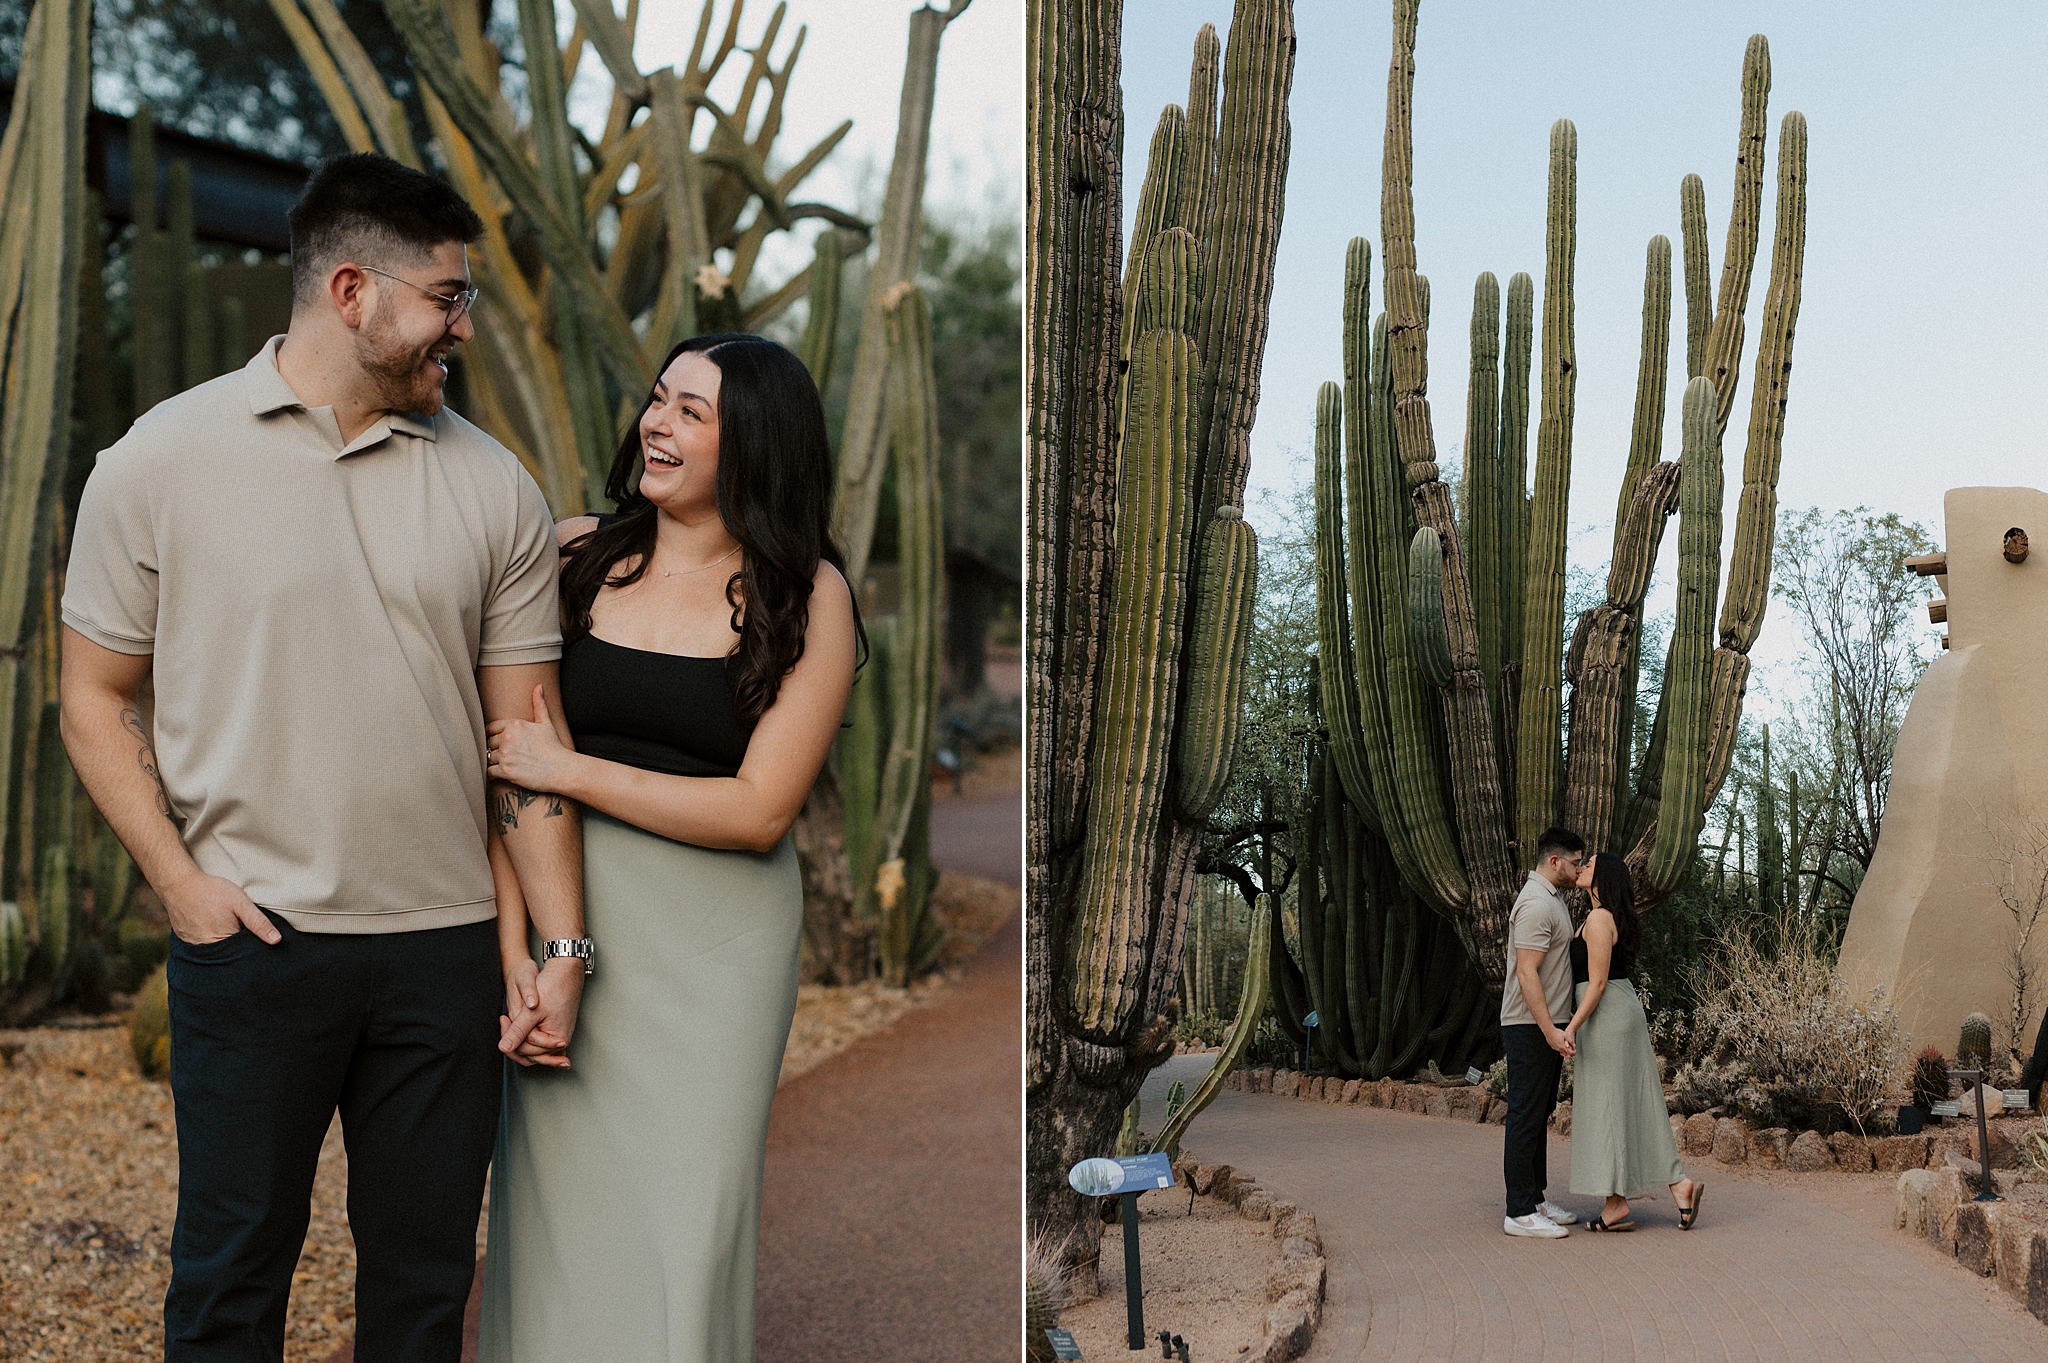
[(893, 1202), (1781, 1267)]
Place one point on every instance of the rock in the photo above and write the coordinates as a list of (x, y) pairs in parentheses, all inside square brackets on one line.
[(1466, 1104), (1234, 1080), (1303, 1227), (1351, 1088), (1286, 1083), (1255, 1205), (1204, 1178), (2015, 1250), (1909, 1211), (1678, 1129), (1731, 1143), (2037, 1277), (1436, 1102), (1408, 1098), (1288, 1332), (1769, 1147), (1852, 1152), (1334, 1087), (1809, 1154), (1944, 1196), (1994, 1104), (1296, 1247), (1296, 1275), (1972, 1172), (1894, 1154), (1977, 1236), (1561, 1119), (1242, 1186), (2003, 1153), (1496, 1111), (1387, 1093), (1698, 1140)]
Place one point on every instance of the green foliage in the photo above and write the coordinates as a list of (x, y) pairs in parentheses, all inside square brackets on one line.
[(149, 1028)]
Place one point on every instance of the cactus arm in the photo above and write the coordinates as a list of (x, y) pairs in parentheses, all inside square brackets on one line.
[(1251, 1006), (1604, 662), (1197, 198), (1426, 633), (1646, 442), (1481, 485), (1688, 675), (1141, 671), (1226, 590), (1238, 251), (1158, 200), (821, 328), (1336, 660), (1749, 571), (1724, 345), (1537, 774), (1699, 297), (327, 76)]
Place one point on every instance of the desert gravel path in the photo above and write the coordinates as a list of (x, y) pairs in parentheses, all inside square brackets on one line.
[(1782, 1266)]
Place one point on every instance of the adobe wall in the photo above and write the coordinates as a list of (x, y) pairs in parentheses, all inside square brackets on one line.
[(1972, 760)]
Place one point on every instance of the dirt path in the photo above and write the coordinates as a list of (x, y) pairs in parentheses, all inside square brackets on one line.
[(1782, 1266)]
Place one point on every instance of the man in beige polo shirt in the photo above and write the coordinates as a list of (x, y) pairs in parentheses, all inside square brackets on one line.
[(1534, 1006), (332, 585)]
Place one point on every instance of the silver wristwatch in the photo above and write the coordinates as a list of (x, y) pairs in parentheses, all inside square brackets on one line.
[(582, 948)]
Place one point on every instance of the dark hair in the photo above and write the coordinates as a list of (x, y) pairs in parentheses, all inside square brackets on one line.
[(1617, 894), (774, 495), (369, 205), (1556, 839)]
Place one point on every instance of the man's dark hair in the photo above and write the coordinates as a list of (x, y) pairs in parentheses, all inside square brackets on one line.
[(374, 211), (1562, 841)]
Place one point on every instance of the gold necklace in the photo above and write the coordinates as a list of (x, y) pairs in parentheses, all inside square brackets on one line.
[(665, 572)]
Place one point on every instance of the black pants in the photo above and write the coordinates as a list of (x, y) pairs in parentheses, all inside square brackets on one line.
[(399, 1031), (1533, 1070)]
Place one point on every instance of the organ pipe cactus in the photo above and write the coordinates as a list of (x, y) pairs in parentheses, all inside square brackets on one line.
[(1251, 1006), (1447, 641), (1139, 567)]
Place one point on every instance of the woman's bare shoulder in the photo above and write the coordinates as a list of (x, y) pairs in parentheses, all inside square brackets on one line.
[(574, 526)]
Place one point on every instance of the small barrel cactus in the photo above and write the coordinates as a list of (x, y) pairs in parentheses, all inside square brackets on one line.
[(1973, 1051), (1930, 1078), (149, 1029)]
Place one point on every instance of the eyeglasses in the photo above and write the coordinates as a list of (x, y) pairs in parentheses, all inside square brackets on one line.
[(454, 307)]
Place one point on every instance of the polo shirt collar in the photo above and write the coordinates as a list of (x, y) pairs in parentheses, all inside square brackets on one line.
[(268, 392)]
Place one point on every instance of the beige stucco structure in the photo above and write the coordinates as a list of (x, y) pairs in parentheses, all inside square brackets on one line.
[(1972, 760)]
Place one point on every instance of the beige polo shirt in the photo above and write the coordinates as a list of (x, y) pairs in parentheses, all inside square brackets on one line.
[(1540, 921), (317, 612)]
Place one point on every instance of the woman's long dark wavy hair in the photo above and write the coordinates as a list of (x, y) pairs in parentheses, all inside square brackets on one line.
[(1618, 896), (774, 495)]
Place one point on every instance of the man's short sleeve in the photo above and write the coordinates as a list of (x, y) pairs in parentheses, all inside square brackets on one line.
[(110, 584), (523, 618)]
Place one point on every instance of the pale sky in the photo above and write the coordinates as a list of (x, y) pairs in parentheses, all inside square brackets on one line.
[(1919, 348)]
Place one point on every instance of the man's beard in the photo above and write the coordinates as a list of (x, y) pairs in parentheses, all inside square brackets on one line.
[(406, 380)]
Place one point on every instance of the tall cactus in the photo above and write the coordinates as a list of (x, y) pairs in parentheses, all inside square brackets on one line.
[(1139, 566), (1448, 643)]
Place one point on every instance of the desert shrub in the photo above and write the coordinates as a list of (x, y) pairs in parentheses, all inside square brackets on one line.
[(1812, 1050), (1702, 1086), (1047, 1292), (1204, 1029), (1496, 1080), (149, 1028), (1269, 1045), (1930, 1078)]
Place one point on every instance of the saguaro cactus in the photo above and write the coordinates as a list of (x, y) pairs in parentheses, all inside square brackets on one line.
[(1139, 566), (1451, 659)]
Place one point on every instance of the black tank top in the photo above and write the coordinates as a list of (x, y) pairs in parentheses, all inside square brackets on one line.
[(657, 711), (1618, 966)]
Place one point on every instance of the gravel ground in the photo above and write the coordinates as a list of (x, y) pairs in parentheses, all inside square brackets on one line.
[(1204, 1276), (88, 1172)]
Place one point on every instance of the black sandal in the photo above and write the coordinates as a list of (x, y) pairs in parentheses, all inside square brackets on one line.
[(1688, 1215), (1602, 1223)]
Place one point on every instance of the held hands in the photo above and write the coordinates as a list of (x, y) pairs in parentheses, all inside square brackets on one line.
[(540, 1011), (528, 753), (204, 908), (1563, 1042), (1571, 1038)]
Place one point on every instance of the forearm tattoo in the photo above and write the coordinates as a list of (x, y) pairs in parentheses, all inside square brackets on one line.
[(507, 800), (145, 757)]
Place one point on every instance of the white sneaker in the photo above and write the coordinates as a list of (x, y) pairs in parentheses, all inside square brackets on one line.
[(1557, 1213), (1535, 1225)]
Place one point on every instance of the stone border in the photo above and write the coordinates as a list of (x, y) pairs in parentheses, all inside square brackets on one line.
[(1295, 1282), (1727, 1139), (1991, 1239)]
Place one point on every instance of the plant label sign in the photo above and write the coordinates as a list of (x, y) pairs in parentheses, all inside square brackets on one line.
[(1146, 1171), (2015, 1099), (1124, 1174), (1473, 1076), (1063, 1345), (1951, 1108)]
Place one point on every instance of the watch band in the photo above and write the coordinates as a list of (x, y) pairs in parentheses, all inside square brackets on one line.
[(583, 948)]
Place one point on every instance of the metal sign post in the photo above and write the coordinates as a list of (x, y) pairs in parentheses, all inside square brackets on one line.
[(1134, 1290), (1127, 1176), (1983, 1134)]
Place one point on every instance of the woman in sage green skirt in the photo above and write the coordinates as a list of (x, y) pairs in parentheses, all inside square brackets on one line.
[(1621, 1131), (710, 644)]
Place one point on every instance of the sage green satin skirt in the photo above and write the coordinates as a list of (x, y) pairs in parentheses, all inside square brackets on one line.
[(1621, 1131), (626, 1191)]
